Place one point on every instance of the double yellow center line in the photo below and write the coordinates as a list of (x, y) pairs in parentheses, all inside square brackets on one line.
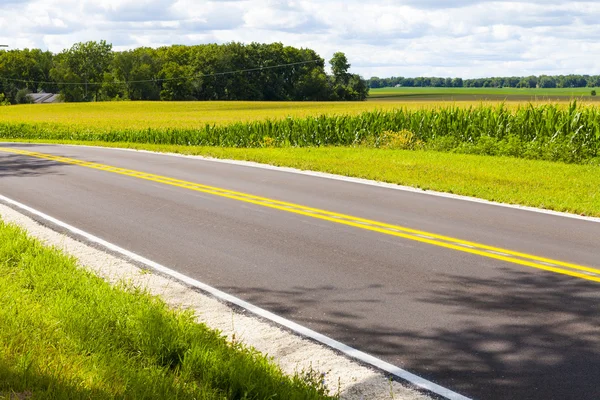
[(546, 264)]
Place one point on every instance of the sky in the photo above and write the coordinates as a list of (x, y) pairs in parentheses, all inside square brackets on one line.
[(461, 38)]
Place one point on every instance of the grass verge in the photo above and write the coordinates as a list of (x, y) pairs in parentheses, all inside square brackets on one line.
[(551, 185), (67, 334)]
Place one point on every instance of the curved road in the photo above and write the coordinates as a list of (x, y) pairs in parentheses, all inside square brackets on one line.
[(491, 302)]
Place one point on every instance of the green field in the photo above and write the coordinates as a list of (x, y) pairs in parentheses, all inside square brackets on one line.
[(67, 334), (153, 114), (569, 133), (417, 94)]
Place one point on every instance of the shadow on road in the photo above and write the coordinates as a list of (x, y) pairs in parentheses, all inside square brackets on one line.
[(278, 301), (526, 336), (530, 335), (15, 165)]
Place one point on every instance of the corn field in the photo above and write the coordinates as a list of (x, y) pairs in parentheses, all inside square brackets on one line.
[(552, 132)]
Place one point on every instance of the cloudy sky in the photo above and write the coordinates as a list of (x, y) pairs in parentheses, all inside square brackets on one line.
[(464, 38)]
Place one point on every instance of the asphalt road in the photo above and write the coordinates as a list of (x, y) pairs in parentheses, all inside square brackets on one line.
[(481, 326)]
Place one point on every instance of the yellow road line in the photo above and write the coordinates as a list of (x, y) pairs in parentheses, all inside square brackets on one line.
[(546, 264)]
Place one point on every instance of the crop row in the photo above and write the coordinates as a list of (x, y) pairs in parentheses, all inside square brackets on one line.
[(554, 132)]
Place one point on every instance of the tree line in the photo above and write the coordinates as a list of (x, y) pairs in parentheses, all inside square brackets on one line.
[(542, 81), (92, 71)]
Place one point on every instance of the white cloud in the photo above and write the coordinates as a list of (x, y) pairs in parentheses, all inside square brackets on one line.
[(467, 38)]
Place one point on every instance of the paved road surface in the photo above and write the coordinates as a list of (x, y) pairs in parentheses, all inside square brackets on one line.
[(475, 323)]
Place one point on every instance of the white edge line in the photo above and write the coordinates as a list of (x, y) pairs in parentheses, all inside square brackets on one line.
[(341, 178), (297, 328)]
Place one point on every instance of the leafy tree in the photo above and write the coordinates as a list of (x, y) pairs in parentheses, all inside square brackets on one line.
[(176, 82), (25, 69), (547, 82), (111, 88), (437, 82), (85, 63), (313, 86), (91, 71), (593, 81), (340, 66), (408, 82), (457, 82), (138, 70), (69, 86), (358, 89), (23, 97), (346, 86), (375, 82)]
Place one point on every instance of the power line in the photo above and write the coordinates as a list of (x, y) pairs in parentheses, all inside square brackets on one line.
[(165, 79)]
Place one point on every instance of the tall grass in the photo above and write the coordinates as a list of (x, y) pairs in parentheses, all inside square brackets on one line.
[(67, 334), (550, 132)]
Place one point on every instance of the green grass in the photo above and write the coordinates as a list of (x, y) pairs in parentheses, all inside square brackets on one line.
[(551, 185), (67, 334)]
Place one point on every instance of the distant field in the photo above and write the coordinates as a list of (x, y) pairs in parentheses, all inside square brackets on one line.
[(480, 94), (143, 114), (139, 115)]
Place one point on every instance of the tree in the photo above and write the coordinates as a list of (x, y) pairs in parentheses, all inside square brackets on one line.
[(25, 69), (358, 89), (340, 66), (437, 82), (408, 82), (138, 69), (177, 82), (22, 97), (3, 100), (457, 82), (375, 82), (546, 82), (593, 81), (344, 85), (313, 87), (91, 71), (84, 63)]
